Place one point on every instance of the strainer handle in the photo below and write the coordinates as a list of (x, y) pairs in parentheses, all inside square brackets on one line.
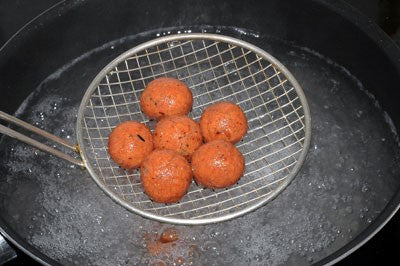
[(14, 134)]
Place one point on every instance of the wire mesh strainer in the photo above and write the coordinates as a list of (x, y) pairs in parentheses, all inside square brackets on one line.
[(215, 68)]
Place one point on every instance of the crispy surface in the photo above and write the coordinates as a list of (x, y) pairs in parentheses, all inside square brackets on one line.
[(224, 120), (166, 176), (166, 97), (217, 164), (178, 133), (129, 143)]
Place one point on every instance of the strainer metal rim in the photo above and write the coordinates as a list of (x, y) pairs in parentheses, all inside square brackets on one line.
[(191, 36)]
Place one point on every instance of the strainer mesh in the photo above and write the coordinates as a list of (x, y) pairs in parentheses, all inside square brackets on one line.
[(215, 71)]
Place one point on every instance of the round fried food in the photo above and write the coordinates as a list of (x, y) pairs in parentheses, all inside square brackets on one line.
[(178, 133), (129, 143), (166, 176), (165, 97), (217, 164), (224, 120)]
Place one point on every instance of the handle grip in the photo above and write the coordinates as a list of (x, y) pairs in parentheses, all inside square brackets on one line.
[(14, 134)]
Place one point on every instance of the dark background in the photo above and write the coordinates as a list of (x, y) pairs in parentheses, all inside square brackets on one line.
[(384, 248)]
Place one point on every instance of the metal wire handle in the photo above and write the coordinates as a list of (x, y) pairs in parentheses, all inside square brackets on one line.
[(216, 68), (14, 134)]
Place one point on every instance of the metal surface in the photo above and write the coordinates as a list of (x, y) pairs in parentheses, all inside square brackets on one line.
[(7, 253), (216, 68), (14, 134)]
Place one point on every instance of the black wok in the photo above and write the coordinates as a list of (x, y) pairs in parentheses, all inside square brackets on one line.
[(345, 192)]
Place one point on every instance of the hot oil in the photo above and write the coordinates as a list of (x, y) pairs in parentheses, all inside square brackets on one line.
[(353, 161)]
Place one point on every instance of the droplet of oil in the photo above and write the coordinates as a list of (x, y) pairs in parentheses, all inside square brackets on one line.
[(364, 188)]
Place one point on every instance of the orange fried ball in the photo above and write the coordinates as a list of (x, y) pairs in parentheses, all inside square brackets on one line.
[(166, 176), (224, 120), (165, 97), (178, 133), (217, 164), (129, 143)]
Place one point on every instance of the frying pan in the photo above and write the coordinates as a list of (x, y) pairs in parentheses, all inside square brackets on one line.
[(346, 190)]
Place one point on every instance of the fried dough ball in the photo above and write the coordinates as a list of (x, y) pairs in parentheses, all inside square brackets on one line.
[(217, 164), (166, 176), (178, 133), (224, 120), (166, 97), (129, 143)]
